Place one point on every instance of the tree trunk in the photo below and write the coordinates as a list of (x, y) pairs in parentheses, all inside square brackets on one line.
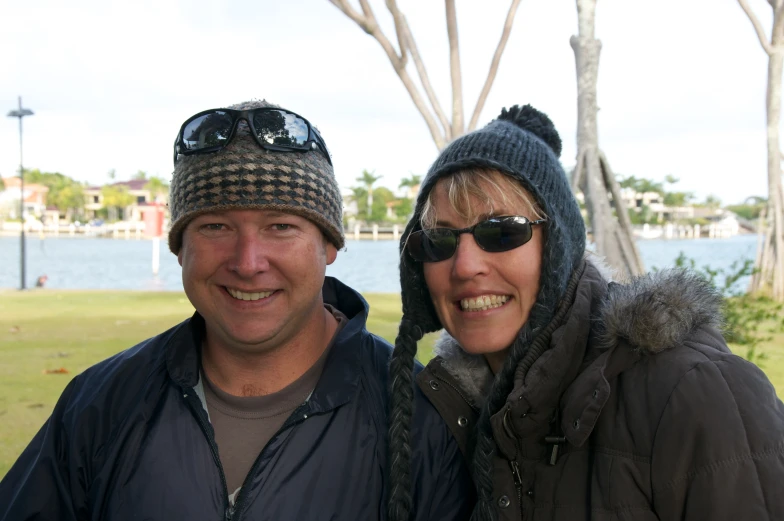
[(611, 240), (454, 67), (771, 263)]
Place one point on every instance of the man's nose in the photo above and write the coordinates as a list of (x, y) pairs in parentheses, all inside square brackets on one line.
[(251, 255)]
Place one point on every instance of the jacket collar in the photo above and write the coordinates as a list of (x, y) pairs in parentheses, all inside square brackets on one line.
[(649, 315), (340, 378), (341, 373)]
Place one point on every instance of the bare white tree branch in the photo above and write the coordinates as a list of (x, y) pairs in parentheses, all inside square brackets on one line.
[(425, 79), (626, 232), (366, 9), (757, 26), (396, 16), (480, 103), (454, 62), (344, 6), (436, 119), (369, 24), (778, 25)]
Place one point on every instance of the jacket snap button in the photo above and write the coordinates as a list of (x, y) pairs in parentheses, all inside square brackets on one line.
[(530, 493), (434, 385), (596, 393), (462, 421), (576, 424), (504, 502)]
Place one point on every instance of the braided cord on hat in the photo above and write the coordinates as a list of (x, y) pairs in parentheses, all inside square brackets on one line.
[(484, 451), (401, 369), (526, 349)]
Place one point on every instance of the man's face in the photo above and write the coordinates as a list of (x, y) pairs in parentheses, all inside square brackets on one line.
[(255, 276)]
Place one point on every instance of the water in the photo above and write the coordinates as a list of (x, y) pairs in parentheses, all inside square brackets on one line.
[(367, 266)]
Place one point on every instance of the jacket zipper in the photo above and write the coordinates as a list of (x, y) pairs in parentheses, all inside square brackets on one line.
[(297, 416), (227, 510), (457, 390), (518, 481)]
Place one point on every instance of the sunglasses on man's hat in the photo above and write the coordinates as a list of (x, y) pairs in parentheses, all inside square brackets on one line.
[(273, 129)]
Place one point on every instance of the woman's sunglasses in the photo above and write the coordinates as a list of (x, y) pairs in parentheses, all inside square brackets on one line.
[(494, 235), (273, 129)]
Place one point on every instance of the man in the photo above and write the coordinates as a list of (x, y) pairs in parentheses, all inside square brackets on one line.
[(270, 402)]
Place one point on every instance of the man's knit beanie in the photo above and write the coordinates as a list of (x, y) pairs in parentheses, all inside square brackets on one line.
[(523, 144), (244, 176)]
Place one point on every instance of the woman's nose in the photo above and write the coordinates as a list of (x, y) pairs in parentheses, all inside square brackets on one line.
[(469, 259)]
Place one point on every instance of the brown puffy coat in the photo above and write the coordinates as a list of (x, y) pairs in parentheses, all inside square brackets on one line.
[(636, 411)]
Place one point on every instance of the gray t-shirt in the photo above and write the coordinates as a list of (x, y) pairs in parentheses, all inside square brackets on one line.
[(243, 425)]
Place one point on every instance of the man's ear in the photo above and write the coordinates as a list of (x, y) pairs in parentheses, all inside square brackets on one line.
[(332, 253), (182, 246)]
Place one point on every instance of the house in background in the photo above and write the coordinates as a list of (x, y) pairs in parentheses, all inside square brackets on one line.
[(34, 198), (142, 198), (654, 201)]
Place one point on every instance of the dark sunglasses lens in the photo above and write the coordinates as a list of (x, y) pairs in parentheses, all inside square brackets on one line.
[(321, 143), (278, 127), (496, 235), (207, 130), (432, 245)]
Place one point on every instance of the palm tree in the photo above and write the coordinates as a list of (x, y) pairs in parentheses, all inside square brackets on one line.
[(359, 197), (412, 183), (368, 178)]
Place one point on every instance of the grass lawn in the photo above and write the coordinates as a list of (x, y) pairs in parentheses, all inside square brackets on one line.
[(47, 330)]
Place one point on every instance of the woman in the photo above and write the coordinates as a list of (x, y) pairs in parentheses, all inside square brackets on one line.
[(573, 397)]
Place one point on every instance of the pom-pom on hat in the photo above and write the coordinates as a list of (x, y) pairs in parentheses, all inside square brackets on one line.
[(244, 176)]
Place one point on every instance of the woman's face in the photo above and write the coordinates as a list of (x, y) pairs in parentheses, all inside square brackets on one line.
[(508, 280)]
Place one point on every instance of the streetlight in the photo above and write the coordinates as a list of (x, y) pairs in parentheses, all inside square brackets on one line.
[(20, 114)]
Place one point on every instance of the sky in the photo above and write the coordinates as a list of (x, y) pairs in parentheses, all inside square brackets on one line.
[(681, 85)]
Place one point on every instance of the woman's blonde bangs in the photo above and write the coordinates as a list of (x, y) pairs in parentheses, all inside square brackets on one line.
[(476, 192)]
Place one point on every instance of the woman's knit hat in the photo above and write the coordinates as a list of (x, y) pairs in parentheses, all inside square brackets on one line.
[(244, 176), (523, 144)]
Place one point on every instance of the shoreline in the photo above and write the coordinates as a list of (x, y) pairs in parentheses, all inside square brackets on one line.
[(349, 237)]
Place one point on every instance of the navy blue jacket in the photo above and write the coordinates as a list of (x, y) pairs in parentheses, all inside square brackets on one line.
[(129, 439)]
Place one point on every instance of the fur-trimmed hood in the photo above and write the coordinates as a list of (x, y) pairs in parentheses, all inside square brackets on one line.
[(651, 313)]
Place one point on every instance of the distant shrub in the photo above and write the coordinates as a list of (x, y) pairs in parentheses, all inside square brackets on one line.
[(744, 313)]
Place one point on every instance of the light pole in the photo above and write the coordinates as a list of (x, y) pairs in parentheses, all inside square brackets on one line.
[(20, 114)]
